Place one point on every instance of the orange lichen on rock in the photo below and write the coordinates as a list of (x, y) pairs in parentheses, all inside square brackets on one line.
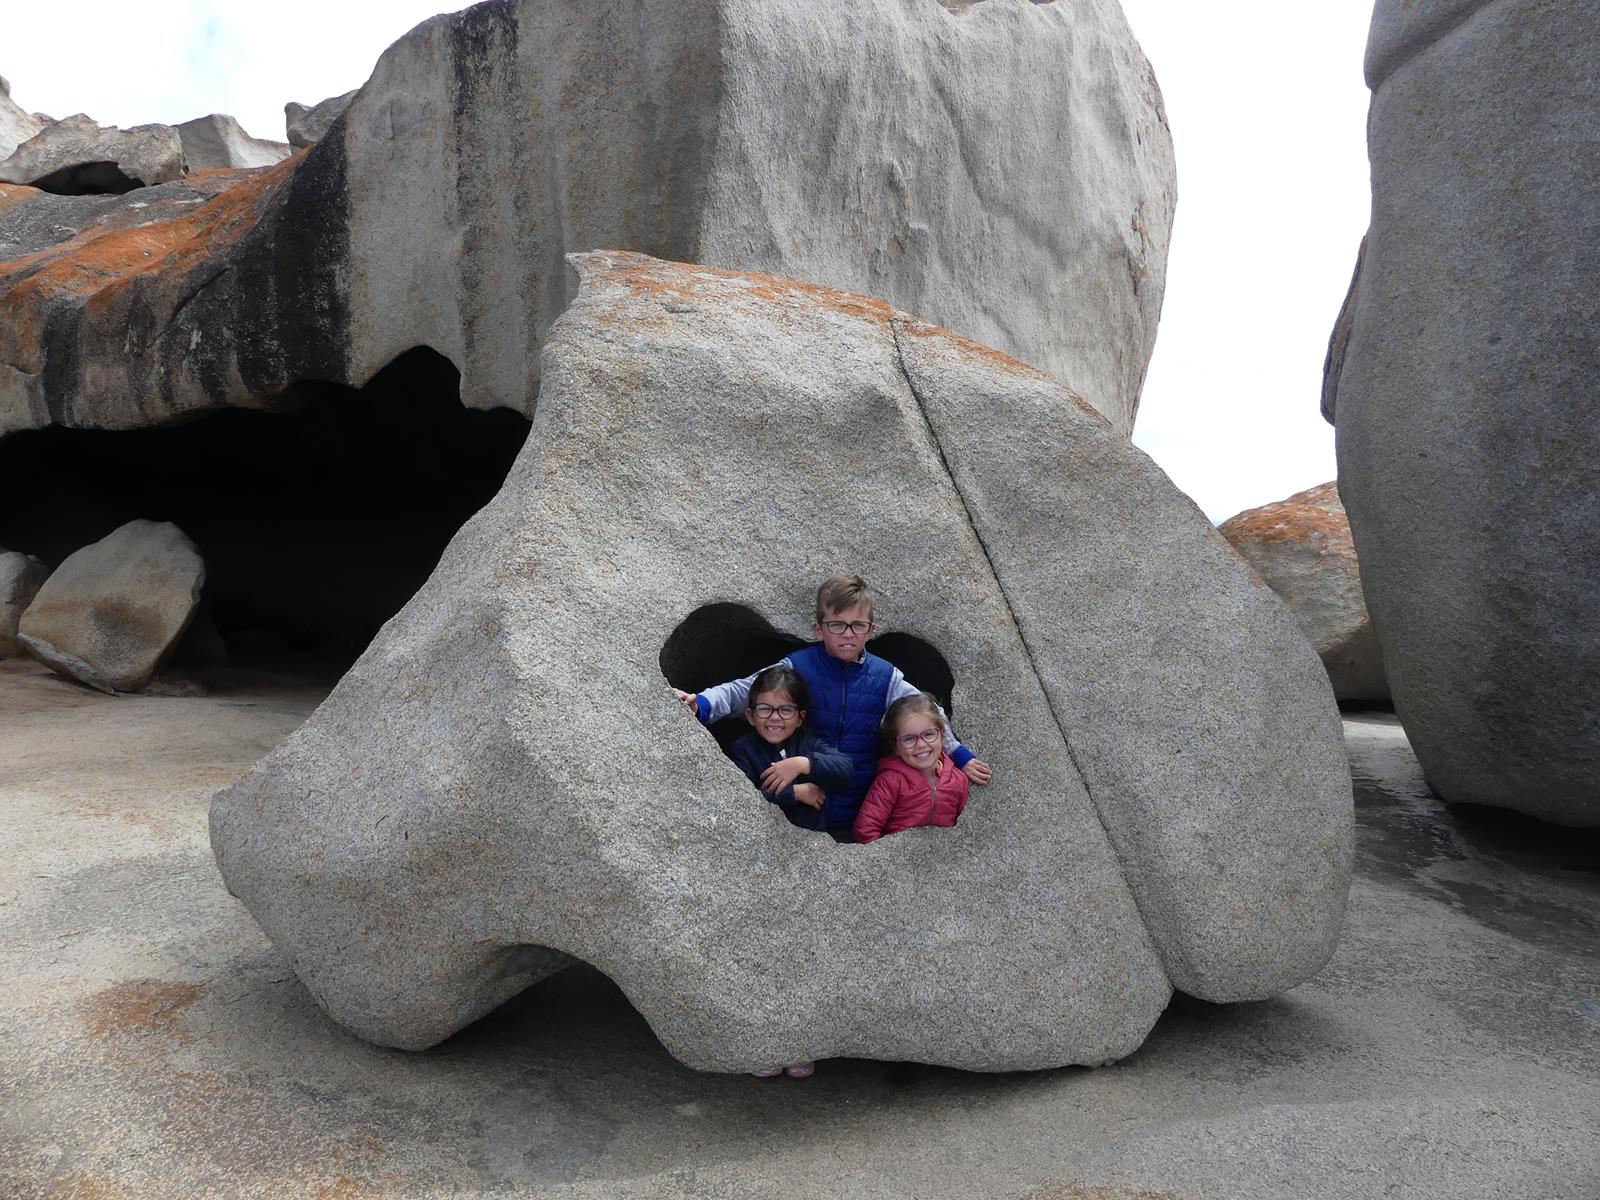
[(1315, 512), (646, 276), (141, 1007), (97, 263)]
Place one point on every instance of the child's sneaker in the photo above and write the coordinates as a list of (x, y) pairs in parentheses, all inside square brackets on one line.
[(799, 1070), (769, 1073)]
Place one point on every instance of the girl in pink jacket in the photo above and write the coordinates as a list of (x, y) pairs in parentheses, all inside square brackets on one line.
[(917, 783)]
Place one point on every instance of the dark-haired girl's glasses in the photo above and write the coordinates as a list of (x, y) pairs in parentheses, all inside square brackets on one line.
[(911, 739), (787, 712)]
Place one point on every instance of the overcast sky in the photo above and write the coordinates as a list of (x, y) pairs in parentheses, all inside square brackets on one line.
[(1268, 113)]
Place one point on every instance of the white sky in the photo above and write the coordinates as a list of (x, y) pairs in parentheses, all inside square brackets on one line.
[(1268, 113)]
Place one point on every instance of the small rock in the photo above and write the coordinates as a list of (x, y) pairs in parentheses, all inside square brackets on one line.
[(21, 577), (306, 125), (1302, 549), (112, 612)]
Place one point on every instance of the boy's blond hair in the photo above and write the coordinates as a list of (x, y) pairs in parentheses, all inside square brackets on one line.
[(842, 591)]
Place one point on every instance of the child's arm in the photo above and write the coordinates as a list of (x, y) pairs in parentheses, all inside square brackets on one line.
[(753, 763), (830, 768), (971, 765), (717, 702), (875, 809)]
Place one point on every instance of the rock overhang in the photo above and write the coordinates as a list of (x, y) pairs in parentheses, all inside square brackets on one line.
[(490, 142), (503, 778)]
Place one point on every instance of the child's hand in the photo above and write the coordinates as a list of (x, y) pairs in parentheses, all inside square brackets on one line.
[(784, 772), (978, 771), (688, 699), (809, 794)]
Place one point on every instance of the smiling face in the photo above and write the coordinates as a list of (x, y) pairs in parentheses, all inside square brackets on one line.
[(765, 715), (845, 644), (918, 741)]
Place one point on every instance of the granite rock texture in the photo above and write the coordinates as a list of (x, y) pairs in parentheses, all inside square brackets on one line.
[(112, 612), (21, 576), (503, 780), (1302, 549), (306, 125), (78, 155), (1464, 400), (219, 141), (1004, 169)]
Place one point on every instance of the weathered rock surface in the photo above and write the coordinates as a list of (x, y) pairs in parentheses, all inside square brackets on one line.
[(1302, 549), (77, 155), (17, 125), (503, 779), (1004, 169), (306, 126), (112, 612), (21, 576), (1469, 452), (220, 141)]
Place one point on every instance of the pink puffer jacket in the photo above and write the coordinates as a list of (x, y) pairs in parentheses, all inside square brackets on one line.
[(902, 798)]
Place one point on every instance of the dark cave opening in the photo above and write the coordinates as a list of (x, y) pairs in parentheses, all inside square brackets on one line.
[(317, 520), (88, 179), (723, 641)]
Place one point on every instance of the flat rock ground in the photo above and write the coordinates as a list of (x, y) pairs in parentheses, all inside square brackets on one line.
[(155, 1045)]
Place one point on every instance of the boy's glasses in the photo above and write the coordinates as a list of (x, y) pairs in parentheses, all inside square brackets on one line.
[(837, 627), (910, 740), (787, 712)]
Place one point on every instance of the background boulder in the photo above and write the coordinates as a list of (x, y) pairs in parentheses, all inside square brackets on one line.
[(1302, 549), (111, 613), (220, 141), (503, 779), (1004, 169), (1464, 398), (17, 125), (21, 576), (77, 155)]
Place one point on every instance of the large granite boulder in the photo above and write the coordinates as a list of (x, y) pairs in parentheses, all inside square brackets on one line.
[(220, 141), (112, 612), (504, 779), (1464, 396), (306, 125), (1003, 168), (21, 577), (77, 156), (1302, 549)]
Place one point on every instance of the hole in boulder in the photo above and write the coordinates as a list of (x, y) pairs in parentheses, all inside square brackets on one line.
[(723, 641), (88, 179), (317, 520)]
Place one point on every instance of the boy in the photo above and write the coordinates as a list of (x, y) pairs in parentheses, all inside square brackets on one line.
[(850, 691)]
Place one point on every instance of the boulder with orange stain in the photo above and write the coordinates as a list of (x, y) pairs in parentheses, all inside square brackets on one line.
[(1302, 549), (503, 781), (1003, 170)]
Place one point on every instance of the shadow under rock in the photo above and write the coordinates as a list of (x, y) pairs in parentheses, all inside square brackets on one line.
[(586, 1069)]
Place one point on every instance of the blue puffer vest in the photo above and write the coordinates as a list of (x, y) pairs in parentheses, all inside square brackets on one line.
[(847, 704)]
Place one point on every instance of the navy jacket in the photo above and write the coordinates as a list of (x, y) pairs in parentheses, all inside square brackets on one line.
[(830, 770), (847, 705)]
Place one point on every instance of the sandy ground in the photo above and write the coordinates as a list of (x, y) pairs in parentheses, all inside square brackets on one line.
[(155, 1045)]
